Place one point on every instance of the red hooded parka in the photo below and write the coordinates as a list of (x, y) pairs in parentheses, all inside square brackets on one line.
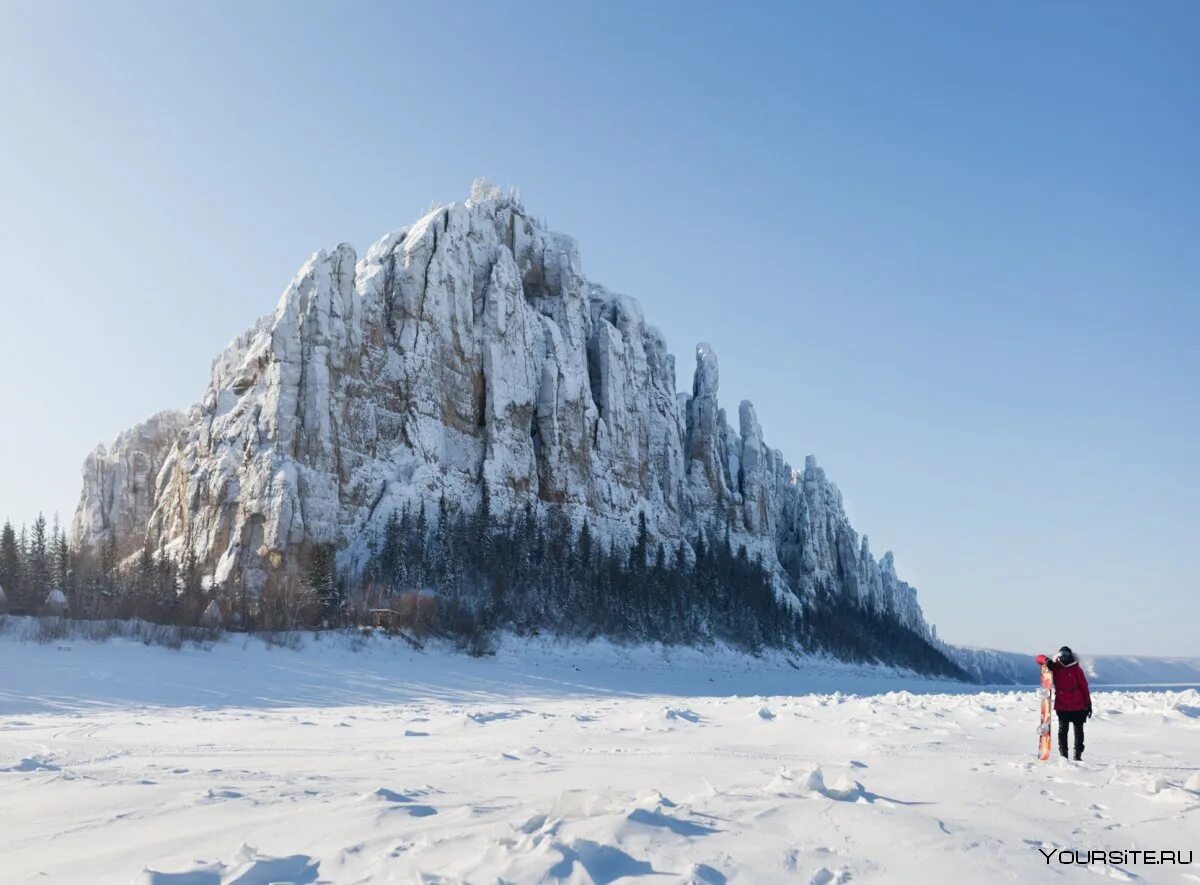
[(1070, 685)]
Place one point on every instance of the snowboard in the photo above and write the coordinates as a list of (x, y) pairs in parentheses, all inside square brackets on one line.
[(1045, 693)]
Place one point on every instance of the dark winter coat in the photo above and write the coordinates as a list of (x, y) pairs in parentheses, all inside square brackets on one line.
[(1070, 686)]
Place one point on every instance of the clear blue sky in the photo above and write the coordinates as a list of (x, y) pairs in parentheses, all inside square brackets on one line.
[(951, 250)]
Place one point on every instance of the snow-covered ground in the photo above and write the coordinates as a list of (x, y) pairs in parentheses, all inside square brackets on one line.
[(124, 763)]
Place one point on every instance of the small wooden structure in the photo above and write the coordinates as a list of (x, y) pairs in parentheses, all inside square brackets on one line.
[(381, 618), (388, 620)]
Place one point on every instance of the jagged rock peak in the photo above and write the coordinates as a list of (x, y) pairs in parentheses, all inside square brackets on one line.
[(463, 348)]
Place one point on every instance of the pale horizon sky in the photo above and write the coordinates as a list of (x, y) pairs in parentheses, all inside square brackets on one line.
[(950, 250)]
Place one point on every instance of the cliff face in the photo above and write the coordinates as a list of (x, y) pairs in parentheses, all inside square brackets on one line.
[(468, 346), (120, 483)]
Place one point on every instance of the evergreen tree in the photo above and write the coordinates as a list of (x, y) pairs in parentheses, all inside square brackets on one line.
[(321, 578), (10, 564), (61, 572), (37, 571), (144, 579), (391, 553)]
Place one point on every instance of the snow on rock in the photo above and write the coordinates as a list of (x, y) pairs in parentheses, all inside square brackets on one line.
[(120, 483), (466, 346)]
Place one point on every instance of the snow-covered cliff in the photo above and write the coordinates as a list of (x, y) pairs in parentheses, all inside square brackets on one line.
[(120, 483), (467, 346)]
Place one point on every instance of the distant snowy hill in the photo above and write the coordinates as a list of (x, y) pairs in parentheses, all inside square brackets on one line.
[(466, 357), (1005, 668)]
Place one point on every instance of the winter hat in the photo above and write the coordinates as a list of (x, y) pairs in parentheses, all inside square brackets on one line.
[(1065, 655)]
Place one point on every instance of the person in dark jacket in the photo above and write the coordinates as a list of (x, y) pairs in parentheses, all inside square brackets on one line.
[(1072, 699)]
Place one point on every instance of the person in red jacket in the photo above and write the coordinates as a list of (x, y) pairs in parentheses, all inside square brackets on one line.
[(1072, 699)]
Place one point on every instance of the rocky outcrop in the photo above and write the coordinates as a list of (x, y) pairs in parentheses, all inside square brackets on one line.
[(120, 483), (467, 347)]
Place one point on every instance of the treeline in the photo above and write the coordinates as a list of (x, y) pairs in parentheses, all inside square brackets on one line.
[(535, 575), (464, 575), (542, 575), (842, 627), (33, 562), (42, 574)]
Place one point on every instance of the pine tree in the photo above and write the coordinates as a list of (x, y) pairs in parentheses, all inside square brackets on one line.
[(482, 529), (38, 559), (321, 578), (144, 574), (165, 589), (61, 572), (10, 564), (390, 553), (190, 577)]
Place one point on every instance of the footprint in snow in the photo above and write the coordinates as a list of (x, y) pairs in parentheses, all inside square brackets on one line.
[(795, 857), (824, 876)]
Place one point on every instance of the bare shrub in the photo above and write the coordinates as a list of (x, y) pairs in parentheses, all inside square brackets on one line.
[(288, 639), (290, 605), (53, 629)]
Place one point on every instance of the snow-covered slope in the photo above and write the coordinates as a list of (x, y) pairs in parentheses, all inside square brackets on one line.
[(126, 763), (465, 347)]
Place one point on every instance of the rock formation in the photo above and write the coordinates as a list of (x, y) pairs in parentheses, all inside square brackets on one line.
[(466, 347)]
